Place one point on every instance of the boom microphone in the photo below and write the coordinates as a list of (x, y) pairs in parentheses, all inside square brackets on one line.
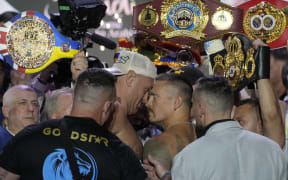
[(101, 40)]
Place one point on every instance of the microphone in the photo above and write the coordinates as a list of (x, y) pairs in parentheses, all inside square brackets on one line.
[(101, 40)]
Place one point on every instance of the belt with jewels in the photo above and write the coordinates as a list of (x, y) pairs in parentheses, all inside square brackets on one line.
[(266, 20), (187, 22), (30, 42)]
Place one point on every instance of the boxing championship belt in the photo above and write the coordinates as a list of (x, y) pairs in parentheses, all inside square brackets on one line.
[(29, 43), (266, 20), (237, 62), (187, 22)]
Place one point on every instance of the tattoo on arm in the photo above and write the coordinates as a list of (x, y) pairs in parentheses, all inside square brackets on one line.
[(159, 151)]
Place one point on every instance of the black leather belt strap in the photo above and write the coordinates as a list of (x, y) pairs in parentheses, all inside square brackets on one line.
[(69, 150)]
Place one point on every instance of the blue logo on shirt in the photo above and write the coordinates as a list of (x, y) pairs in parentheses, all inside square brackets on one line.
[(56, 165)]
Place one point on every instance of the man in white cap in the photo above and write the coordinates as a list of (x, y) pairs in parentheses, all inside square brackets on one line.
[(135, 76)]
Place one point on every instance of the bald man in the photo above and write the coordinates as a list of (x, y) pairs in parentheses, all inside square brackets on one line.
[(20, 108)]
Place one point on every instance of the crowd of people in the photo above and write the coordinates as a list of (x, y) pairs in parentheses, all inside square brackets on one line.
[(83, 126)]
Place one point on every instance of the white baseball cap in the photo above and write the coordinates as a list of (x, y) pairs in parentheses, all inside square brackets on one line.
[(139, 63)]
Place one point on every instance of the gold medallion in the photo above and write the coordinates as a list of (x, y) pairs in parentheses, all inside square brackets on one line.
[(250, 65), (218, 68), (234, 61), (184, 18), (264, 22), (148, 17), (30, 42), (222, 19)]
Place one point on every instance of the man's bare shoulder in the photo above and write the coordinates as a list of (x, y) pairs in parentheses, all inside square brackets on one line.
[(6, 175), (174, 141), (123, 129), (164, 137)]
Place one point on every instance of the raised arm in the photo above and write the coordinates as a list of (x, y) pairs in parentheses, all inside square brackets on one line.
[(273, 126), (271, 114)]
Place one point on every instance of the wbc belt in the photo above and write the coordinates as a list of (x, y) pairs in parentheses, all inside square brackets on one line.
[(266, 20), (187, 22), (29, 42)]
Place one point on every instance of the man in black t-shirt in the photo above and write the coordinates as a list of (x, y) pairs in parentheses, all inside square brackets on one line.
[(75, 147)]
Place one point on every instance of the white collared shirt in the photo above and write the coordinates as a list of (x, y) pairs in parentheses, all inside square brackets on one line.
[(227, 152), (12, 134)]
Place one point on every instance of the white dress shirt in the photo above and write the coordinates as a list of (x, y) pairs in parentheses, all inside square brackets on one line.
[(228, 152)]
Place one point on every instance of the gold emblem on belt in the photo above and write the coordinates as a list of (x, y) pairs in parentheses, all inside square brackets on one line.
[(184, 18), (218, 66), (222, 19), (30, 42), (148, 17), (265, 22), (234, 61), (250, 65)]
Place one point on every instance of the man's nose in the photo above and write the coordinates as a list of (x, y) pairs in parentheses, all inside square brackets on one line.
[(31, 107)]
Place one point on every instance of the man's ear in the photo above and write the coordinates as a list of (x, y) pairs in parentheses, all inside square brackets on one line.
[(106, 106), (178, 101), (5, 111), (107, 111), (202, 109), (130, 78)]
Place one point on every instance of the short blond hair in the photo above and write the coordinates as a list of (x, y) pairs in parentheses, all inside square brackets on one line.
[(51, 102)]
